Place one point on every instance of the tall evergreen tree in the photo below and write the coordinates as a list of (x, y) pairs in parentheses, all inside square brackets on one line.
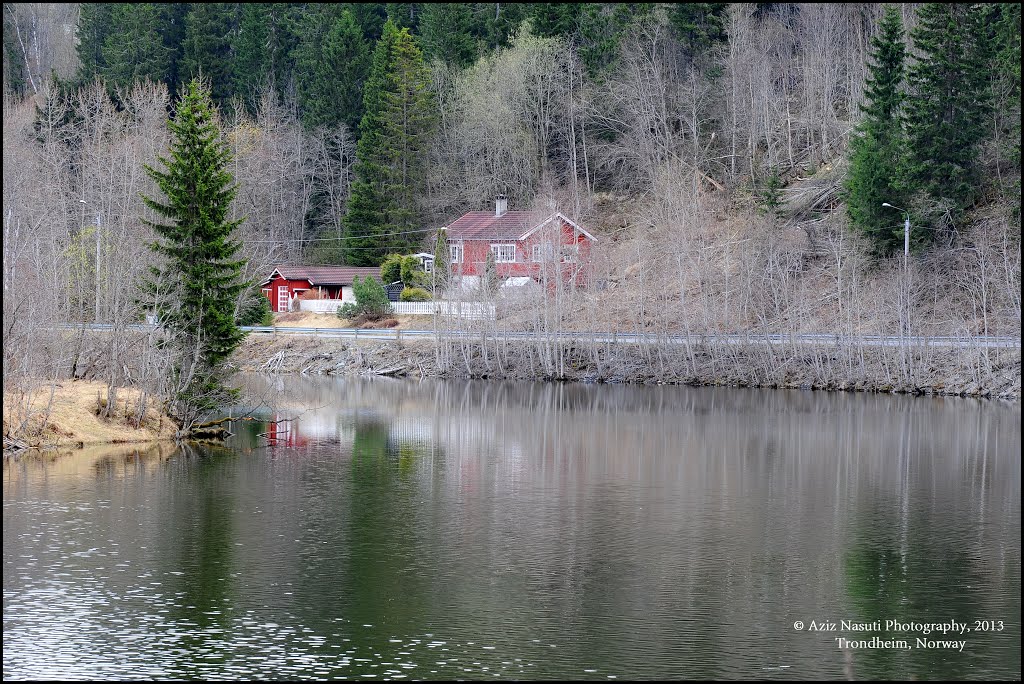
[(555, 18), (446, 31), (268, 35), (949, 105), (1007, 99), (197, 286), (206, 51), (371, 17), (495, 22), (405, 14), (330, 87), (441, 270), (390, 170), (601, 28), (699, 25), (94, 24), (134, 48), (171, 25), (877, 150)]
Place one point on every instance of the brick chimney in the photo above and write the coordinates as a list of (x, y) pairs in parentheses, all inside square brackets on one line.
[(500, 205)]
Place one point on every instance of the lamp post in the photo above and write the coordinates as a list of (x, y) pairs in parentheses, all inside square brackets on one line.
[(906, 259), (906, 230), (97, 293)]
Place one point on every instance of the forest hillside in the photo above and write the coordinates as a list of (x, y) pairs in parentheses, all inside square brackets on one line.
[(733, 159)]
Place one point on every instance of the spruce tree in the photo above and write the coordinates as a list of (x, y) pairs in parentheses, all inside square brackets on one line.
[(331, 77), (94, 24), (699, 25), (405, 14), (1007, 102), (555, 18), (390, 171), (441, 269), (171, 25), (949, 105), (877, 149), (134, 48), (601, 29), (206, 53), (197, 286), (446, 32), (494, 23), (268, 35), (371, 17)]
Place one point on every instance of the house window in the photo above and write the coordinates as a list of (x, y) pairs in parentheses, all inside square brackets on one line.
[(543, 252), (503, 253), (428, 265), (456, 253), (570, 254)]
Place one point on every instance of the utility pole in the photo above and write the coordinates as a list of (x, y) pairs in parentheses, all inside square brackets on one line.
[(98, 227)]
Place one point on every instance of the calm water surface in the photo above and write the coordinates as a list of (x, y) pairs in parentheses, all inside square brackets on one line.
[(443, 530)]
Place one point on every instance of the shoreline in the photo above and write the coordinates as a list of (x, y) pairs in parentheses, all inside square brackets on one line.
[(994, 374), (65, 415)]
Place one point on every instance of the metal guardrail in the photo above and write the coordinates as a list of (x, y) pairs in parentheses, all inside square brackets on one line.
[(622, 338)]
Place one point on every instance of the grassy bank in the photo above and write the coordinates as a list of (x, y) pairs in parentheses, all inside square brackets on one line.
[(306, 319), (73, 414), (992, 373)]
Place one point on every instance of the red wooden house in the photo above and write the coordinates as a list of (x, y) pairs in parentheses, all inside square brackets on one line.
[(524, 244), (286, 283)]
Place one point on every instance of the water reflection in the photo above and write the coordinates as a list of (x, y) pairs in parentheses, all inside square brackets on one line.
[(475, 530)]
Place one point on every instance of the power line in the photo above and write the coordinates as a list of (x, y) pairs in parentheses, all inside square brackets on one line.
[(332, 239)]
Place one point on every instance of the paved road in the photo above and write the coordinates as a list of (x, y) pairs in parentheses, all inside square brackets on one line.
[(630, 338)]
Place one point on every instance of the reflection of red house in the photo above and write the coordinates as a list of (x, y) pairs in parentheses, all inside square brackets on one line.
[(524, 244), (334, 282), (284, 433)]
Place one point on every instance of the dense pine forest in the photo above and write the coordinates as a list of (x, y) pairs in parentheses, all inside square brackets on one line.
[(744, 166)]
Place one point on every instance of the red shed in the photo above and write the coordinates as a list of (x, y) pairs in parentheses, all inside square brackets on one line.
[(523, 243), (334, 282)]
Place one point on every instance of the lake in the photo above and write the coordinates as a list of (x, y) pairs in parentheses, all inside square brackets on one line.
[(387, 529)]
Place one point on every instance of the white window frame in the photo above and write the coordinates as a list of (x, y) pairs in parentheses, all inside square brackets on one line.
[(456, 252), (570, 254), (428, 265), (543, 251), (501, 252)]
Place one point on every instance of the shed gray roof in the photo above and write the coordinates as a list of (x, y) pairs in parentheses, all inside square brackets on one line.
[(324, 275)]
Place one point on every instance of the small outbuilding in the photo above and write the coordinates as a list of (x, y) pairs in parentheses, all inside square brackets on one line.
[(286, 283)]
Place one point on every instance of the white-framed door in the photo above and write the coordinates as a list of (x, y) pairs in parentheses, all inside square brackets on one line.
[(282, 298)]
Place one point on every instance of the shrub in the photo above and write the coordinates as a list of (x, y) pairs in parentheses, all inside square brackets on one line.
[(412, 272), (391, 268), (371, 300), (414, 294)]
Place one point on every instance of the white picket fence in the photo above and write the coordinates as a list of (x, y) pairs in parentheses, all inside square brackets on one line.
[(458, 309), (324, 306)]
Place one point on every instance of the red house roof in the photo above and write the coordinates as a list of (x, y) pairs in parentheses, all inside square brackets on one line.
[(324, 275), (512, 225)]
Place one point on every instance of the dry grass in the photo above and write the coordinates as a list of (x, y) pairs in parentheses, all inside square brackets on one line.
[(72, 418), (306, 319)]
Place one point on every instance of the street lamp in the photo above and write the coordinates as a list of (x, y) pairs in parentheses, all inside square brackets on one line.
[(98, 225), (906, 260), (906, 229)]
